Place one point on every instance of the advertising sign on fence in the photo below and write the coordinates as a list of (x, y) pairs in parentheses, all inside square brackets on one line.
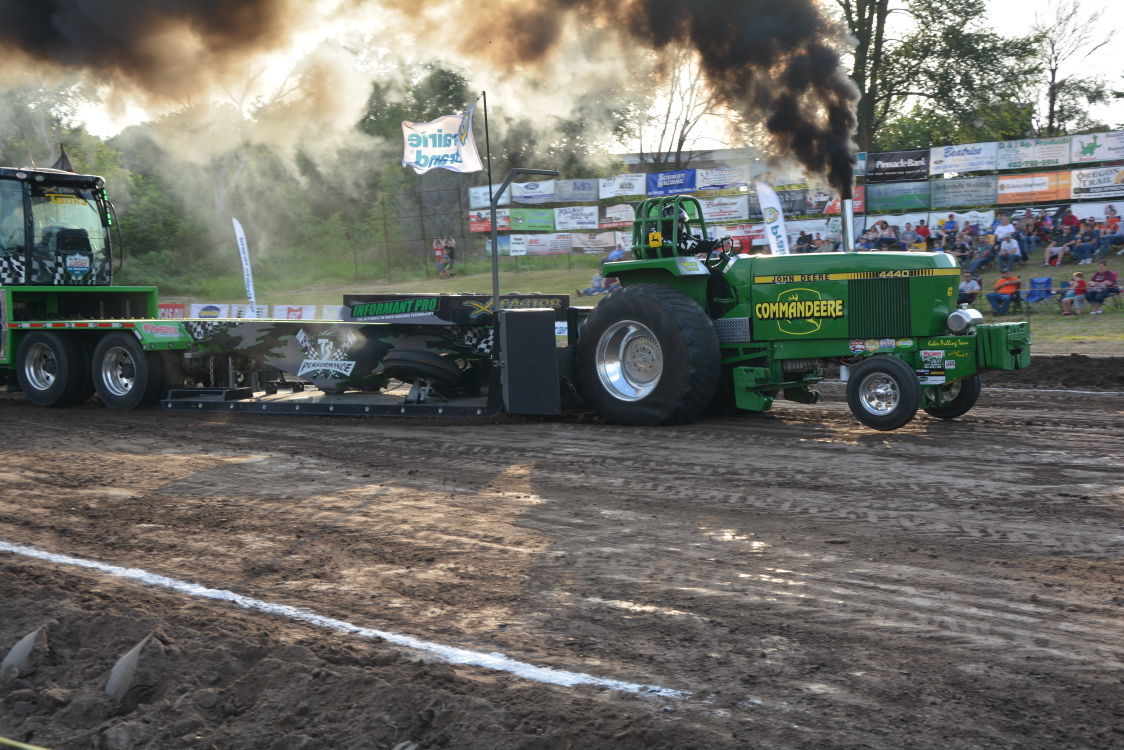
[(575, 218), (620, 215), (532, 219), (1105, 182), (576, 190), (744, 235), (860, 164), (1033, 188), (834, 206), (727, 208), (1097, 147), (966, 157), (207, 310), (597, 240), (622, 185), (516, 244), (481, 221), (898, 196), (963, 191), (722, 178), (478, 197), (1033, 152), (884, 166), (294, 312), (671, 183), (533, 192), (171, 310)]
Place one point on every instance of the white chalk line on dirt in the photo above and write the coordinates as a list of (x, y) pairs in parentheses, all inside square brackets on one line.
[(449, 654)]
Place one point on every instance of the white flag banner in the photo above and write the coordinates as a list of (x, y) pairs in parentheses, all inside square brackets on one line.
[(774, 219), (444, 143), (244, 253)]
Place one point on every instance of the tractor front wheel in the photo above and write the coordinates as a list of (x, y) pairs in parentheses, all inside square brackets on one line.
[(648, 355), (883, 392), (51, 370), (953, 400)]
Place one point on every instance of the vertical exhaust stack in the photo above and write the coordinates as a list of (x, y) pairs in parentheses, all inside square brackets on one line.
[(847, 212)]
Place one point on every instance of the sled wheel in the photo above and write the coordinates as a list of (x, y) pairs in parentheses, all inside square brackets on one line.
[(648, 355), (51, 370), (126, 376), (953, 400), (883, 392), (409, 364)]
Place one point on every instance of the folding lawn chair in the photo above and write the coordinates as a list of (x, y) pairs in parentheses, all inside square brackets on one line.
[(1040, 295)]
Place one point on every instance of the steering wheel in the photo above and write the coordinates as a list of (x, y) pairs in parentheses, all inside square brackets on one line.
[(720, 253)]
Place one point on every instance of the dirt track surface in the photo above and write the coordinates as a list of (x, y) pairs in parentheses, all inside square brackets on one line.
[(804, 582)]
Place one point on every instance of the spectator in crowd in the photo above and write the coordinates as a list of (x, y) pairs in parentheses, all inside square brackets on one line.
[(887, 236), (1008, 254), (1102, 285), (614, 255), (1004, 229), (1069, 220), (1111, 235), (440, 260), (1055, 252), (597, 286), (984, 254), (804, 242), (950, 226), (818, 243), (1027, 237), (969, 289), (925, 234), (972, 230), (1088, 239), (450, 254), (1074, 296), (1005, 290), (909, 237), (963, 249)]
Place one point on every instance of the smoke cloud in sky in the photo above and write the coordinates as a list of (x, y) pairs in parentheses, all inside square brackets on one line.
[(774, 61)]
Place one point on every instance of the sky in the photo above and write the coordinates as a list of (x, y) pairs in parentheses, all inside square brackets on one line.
[(1009, 17)]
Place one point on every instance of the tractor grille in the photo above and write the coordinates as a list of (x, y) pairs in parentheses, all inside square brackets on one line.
[(879, 308)]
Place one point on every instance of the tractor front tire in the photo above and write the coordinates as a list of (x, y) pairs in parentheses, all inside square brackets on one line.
[(883, 392), (956, 399), (125, 375), (51, 370), (648, 355)]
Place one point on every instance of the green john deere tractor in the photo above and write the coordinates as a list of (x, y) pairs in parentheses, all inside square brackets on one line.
[(697, 327)]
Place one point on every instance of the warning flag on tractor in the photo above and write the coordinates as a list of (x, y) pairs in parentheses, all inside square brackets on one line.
[(444, 143), (63, 162)]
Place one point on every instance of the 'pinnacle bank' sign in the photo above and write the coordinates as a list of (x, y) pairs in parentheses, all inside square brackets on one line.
[(886, 166)]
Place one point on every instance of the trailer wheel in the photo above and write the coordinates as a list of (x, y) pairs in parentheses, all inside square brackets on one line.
[(409, 364), (648, 355), (126, 376), (955, 399), (883, 392), (51, 370)]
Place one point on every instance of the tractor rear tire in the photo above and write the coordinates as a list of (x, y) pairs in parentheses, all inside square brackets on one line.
[(883, 392), (961, 397), (125, 375), (51, 369), (648, 355)]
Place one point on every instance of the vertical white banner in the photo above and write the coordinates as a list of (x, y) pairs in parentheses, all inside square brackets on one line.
[(774, 219), (247, 274)]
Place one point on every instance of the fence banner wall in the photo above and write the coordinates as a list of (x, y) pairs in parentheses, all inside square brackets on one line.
[(1033, 188), (576, 190), (206, 310), (481, 221), (671, 183), (533, 192), (728, 208), (884, 166), (622, 185), (984, 219), (898, 196), (619, 215), (597, 240), (478, 196), (532, 219), (967, 157), (1097, 147), (722, 178), (963, 191), (1093, 210), (575, 218), (1033, 152), (294, 312), (1105, 182)]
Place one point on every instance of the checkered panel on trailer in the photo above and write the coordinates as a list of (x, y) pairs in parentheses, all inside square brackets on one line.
[(479, 338)]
